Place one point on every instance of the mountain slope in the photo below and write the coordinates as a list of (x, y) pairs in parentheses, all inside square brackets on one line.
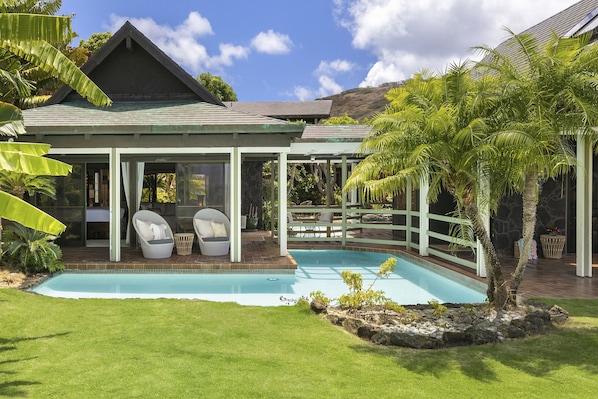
[(360, 103)]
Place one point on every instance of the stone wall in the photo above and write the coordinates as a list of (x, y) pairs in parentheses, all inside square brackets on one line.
[(552, 209), (251, 188)]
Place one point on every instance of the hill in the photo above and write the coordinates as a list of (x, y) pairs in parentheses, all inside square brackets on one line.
[(360, 103)]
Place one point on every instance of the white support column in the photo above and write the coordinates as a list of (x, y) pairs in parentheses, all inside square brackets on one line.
[(272, 198), (484, 209), (344, 200), (424, 221), (235, 205), (408, 211), (583, 234), (282, 203), (114, 188)]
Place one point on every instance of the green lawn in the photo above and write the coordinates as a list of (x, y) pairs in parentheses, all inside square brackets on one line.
[(59, 348)]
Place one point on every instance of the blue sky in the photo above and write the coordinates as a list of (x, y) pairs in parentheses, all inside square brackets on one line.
[(289, 50)]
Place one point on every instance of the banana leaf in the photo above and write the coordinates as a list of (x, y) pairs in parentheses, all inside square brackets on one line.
[(17, 210), (32, 164)]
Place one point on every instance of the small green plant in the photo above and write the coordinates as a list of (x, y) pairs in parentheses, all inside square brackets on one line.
[(439, 309), (357, 297), (391, 305), (30, 250), (319, 296)]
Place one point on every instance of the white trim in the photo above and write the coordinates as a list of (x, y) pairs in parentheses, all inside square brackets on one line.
[(282, 203), (114, 189), (235, 205), (583, 232)]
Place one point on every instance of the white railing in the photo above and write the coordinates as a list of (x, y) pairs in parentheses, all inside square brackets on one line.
[(348, 228)]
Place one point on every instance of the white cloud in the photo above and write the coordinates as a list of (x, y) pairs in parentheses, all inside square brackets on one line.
[(272, 42), (182, 42), (331, 67), (303, 93), (407, 36), (328, 86)]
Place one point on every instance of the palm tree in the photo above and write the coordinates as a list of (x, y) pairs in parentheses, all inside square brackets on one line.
[(29, 36), (433, 130), (18, 184), (547, 97)]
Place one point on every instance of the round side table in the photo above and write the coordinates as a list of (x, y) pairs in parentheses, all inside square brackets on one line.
[(184, 243)]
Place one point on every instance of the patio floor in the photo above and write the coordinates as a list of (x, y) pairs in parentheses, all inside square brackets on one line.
[(553, 278)]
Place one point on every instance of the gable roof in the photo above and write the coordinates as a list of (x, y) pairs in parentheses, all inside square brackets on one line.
[(130, 67), (572, 21)]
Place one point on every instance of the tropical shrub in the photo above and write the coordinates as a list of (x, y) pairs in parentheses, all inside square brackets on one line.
[(358, 297), (31, 251)]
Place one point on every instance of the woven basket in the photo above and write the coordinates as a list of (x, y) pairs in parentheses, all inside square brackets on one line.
[(552, 246), (184, 243)]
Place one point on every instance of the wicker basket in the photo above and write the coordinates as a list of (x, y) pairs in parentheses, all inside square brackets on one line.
[(552, 245), (184, 243)]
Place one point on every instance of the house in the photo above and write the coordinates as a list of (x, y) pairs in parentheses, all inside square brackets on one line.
[(569, 201), (162, 121)]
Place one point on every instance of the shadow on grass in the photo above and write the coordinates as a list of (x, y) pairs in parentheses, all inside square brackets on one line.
[(537, 356), (15, 388)]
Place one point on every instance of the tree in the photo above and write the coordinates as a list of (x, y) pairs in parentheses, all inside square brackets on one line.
[(341, 120), (434, 130), (547, 97), (29, 36), (24, 83), (217, 86), (95, 41)]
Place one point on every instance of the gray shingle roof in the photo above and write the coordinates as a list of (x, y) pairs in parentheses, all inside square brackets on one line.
[(149, 117), (560, 23), (285, 110), (332, 133)]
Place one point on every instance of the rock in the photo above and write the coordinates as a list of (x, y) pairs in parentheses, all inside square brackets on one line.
[(416, 341), (558, 315), (318, 306), (479, 336), (420, 328)]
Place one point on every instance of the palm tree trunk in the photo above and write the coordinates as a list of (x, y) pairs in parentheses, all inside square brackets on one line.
[(496, 291), (530, 205)]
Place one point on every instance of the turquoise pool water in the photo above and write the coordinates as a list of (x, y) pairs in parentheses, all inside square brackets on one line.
[(316, 270)]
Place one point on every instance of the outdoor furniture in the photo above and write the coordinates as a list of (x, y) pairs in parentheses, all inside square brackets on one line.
[(552, 245), (184, 243), (212, 228), (155, 235)]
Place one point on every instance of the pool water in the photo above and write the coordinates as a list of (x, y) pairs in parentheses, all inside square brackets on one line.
[(316, 270)]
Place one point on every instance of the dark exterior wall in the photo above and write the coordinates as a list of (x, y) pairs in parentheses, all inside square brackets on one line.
[(507, 223), (251, 188)]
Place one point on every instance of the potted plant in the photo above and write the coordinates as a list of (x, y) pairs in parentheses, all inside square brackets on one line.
[(252, 218)]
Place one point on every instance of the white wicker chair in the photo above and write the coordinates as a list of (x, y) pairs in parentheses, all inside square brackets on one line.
[(153, 248), (208, 244)]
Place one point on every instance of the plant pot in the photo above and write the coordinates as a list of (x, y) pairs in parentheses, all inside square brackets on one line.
[(251, 224), (552, 245)]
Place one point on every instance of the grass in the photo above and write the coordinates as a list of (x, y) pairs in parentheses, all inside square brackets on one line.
[(94, 348)]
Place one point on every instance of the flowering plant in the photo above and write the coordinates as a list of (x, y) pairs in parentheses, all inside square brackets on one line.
[(552, 229)]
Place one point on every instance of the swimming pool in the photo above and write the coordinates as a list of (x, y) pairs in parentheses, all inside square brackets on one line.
[(411, 283)]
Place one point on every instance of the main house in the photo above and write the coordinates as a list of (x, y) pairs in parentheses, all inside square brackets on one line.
[(164, 122)]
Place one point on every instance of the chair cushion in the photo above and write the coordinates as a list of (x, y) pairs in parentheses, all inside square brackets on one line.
[(219, 229), (162, 241), (204, 228), (144, 230), (215, 239)]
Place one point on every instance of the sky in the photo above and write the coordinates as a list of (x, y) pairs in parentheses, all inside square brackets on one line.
[(290, 50)]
